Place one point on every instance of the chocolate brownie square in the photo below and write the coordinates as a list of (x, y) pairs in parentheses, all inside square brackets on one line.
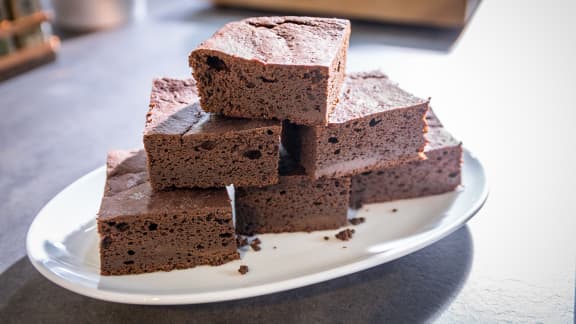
[(295, 204), (188, 147), (273, 67), (375, 125), (439, 173), (145, 231)]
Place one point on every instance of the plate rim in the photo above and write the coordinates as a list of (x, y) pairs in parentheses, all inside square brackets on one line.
[(415, 243)]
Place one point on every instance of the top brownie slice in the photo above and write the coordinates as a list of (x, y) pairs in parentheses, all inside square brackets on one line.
[(376, 124), (188, 147), (273, 68)]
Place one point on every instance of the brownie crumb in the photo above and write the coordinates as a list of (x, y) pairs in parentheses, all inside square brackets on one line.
[(357, 220), (345, 235), (243, 269), (255, 244), (394, 210), (241, 241), (326, 238)]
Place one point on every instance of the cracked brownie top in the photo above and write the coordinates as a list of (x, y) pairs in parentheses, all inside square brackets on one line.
[(282, 40)]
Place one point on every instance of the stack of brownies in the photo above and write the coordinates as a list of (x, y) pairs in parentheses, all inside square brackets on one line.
[(272, 112)]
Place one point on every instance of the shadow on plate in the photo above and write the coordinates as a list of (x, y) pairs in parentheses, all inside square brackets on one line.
[(415, 288)]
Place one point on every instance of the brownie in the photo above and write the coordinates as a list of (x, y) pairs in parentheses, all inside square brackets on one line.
[(188, 147), (345, 235), (439, 173), (375, 125), (145, 231), (357, 220), (273, 67), (243, 269), (295, 204)]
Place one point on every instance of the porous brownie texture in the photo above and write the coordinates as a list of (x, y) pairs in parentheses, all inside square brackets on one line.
[(375, 125), (144, 231), (188, 147), (439, 173), (295, 204), (273, 68)]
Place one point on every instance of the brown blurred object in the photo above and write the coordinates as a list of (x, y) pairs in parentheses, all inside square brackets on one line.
[(25, 41), (80, 16), (437, 13), (6, 44)]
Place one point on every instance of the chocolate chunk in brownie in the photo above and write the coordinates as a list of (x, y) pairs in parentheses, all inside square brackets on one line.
[(144, 231), (357, 220), (295, 204), (243, 269), (273, 67), (188, 147), (345, 235), (375, 125), (440, 173)]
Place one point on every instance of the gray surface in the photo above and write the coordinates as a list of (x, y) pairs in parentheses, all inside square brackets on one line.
[(506, 88)]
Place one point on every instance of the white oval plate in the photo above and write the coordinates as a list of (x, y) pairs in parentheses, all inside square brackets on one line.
[(62, 245)]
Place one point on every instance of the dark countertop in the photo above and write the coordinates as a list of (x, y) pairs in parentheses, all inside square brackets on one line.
[(509, 100)]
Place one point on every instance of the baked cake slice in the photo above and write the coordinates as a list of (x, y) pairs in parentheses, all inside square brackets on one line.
[(441, 172), (273, 67), (375, 125), (297, 203), (144, 231), (188, 147)]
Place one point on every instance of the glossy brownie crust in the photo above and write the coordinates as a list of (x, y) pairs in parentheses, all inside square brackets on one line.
[(188, 147), (145, 231), (273, 68), (375, 125), (440, 173), (295, 204)]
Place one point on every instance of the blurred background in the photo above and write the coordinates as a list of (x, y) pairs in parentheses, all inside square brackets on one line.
[(502, 77), (27, 28)]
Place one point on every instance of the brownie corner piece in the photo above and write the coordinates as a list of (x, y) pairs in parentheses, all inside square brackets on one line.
[(441, 172), (188, 147), (145, 231), (376, 124), (296, 204), (273, 68)]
